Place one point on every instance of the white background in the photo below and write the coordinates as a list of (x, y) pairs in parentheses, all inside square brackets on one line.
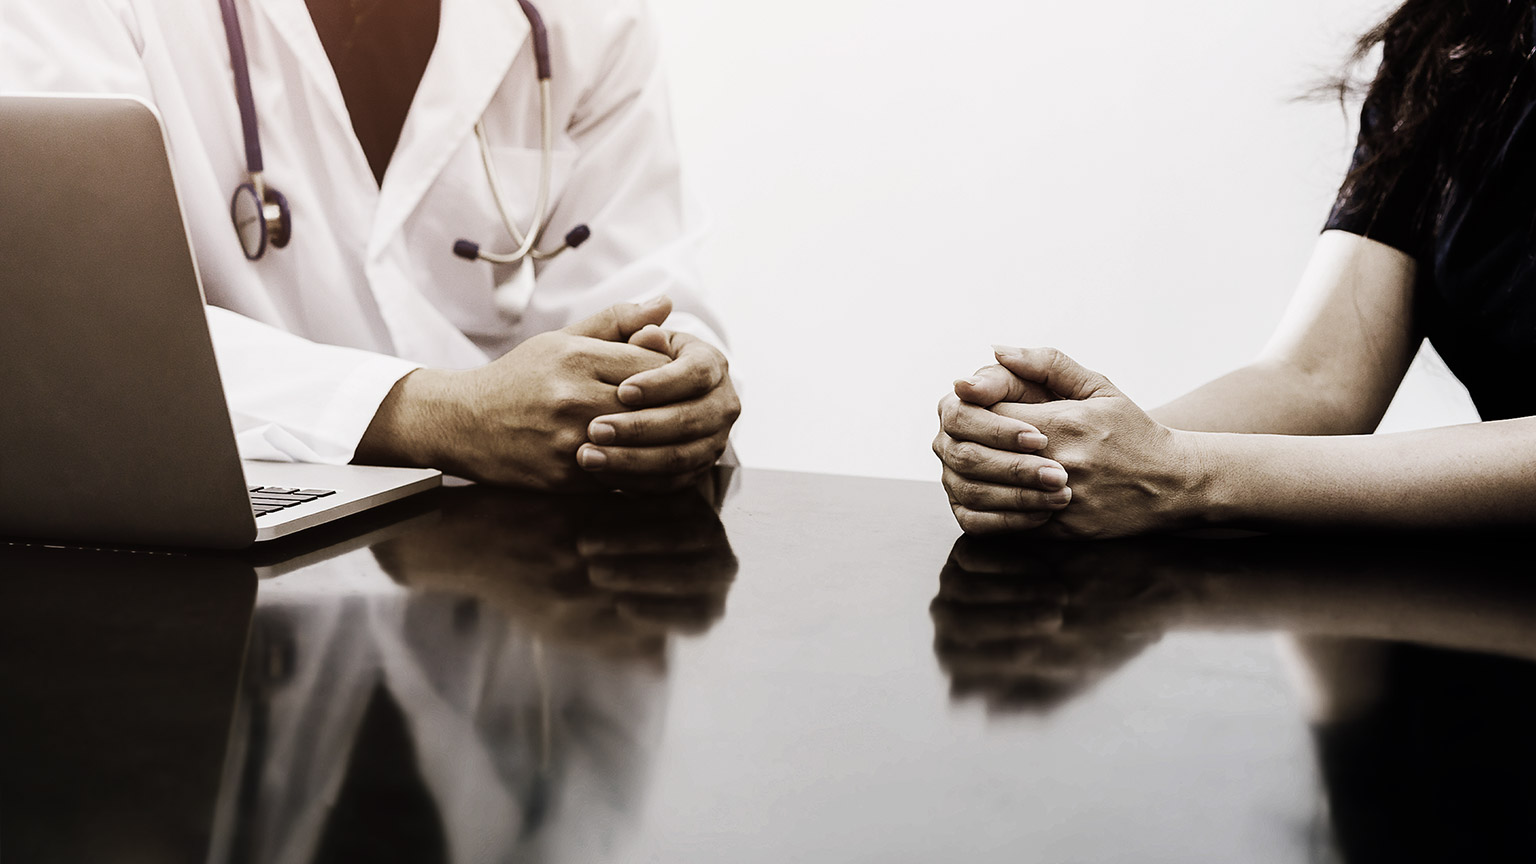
[(896, 185)]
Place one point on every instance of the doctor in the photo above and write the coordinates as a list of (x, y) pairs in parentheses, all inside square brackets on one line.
[(363, 336)]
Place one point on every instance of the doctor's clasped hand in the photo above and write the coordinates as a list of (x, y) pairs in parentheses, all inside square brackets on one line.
[(613, 400)]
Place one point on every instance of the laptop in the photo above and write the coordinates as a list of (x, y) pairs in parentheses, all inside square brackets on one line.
[(113, 424)]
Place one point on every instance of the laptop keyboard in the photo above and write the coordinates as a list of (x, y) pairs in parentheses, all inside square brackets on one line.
[(270, 499)]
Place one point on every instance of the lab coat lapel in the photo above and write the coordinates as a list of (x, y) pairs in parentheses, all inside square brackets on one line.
[(476, 43), (290, 18)]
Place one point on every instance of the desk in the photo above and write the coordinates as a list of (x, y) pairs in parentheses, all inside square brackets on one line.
[(822, 673)]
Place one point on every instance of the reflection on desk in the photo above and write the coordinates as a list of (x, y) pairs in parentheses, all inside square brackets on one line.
[(118, 674), (493, 693), (1416, 659), (525, 678)]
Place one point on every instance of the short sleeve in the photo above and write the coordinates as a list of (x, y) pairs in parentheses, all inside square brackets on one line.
[(1389, 202)]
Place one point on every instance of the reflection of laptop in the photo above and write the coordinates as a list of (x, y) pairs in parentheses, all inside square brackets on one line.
[(155, 643), (113, 423)]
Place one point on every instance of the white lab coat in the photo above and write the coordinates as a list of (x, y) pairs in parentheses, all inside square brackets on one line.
[(312, 337)]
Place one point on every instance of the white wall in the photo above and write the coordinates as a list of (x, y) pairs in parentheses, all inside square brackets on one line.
[(896, 185)]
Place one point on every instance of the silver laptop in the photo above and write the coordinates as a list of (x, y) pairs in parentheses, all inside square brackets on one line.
[(113, 423)]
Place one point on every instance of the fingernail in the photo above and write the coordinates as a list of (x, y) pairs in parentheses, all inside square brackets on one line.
[(972, 382), (1006, 351), (592, 458), (1059, 498), (655, 302), (602, 433), (629, 394), (1031, 441), (1053, 477)]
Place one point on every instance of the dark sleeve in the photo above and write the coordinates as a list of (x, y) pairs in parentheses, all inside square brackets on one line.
[(1392, 207)]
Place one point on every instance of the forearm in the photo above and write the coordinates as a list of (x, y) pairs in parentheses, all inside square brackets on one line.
[(1481, 474), (1268, 397), (1335, 361), (415, 425)]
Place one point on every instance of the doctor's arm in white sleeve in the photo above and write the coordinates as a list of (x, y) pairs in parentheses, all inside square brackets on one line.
[(668, 425)]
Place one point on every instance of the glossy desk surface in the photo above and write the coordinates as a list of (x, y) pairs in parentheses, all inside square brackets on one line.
[(820, 673)]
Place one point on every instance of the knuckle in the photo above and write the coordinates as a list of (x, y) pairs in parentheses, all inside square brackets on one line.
[(632, 427), (568, 440), (964, 491), (716, 450), (964, 457), (675, 459), (567, 350), (949, 478), (1074, 530), (1021, 472), (965, 516), (1035, 520), (696, 424), (948, 408), (564, 393)]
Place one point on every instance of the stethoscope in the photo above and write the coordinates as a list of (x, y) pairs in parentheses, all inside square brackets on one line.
[(261, 213)]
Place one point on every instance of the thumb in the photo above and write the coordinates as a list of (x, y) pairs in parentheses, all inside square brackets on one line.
[(622, 320), (993, 384), (1058, 372)]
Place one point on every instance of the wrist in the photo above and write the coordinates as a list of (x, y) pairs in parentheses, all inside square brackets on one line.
[(417, 423), (1200, 500)]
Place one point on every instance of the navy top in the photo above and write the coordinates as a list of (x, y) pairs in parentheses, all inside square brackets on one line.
[(1475, 298)]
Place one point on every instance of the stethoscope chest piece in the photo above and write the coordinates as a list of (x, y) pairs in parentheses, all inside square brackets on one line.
[(261, 218)]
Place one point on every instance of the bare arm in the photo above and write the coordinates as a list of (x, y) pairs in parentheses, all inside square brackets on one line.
[(1324, 380), (1458, 476), (1334, 362)]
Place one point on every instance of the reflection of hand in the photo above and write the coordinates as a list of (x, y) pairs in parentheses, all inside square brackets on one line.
[(994, 480), (604, 572), (666, 560), (1028, 625), (678, 420), (518, 420)]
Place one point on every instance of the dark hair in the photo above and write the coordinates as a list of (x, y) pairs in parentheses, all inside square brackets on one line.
[(1447, 69)]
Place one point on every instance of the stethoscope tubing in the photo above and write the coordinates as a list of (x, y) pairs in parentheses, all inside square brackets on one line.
[(272, 207), (526, 243), (243, 96)]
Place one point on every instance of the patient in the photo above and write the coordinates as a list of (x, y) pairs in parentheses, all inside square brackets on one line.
[(1430, 238)]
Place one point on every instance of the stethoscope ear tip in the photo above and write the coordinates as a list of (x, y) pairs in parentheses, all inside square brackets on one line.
[(577, 236), (469, 250)]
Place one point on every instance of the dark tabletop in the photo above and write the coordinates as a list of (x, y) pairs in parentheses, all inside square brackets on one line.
[(824, 671)]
